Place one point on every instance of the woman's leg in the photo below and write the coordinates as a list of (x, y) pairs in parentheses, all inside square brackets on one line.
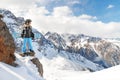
[(30, 44), (24, 45)]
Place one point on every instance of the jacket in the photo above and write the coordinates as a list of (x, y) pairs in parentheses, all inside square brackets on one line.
[(27, 32)]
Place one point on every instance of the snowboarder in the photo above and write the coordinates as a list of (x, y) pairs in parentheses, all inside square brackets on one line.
[(27, 36)]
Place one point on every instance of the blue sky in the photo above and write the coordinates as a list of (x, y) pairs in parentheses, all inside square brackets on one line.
[(91, 17), (98, 8)]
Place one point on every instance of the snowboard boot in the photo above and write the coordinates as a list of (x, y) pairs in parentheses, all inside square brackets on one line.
[(31, 53), (24, 54)]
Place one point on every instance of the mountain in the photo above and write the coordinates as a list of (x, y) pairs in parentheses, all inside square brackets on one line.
[(61, 53), (97, 50)]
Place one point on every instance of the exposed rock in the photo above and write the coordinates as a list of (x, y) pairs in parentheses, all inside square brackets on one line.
[(38, 65), (109, 52), (7, 46)]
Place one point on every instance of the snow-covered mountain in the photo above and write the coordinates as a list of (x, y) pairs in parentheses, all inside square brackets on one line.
[(97, 50), (60, 53)]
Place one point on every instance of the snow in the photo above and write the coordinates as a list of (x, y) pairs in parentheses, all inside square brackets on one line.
[(57, 68), (6, 71), (25, 71), (60, 68), (106, 74), (9, 20), (116, 42), (53, 70)]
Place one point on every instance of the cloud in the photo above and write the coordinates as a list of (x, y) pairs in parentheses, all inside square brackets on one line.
[(84, 16), (18, 7), (73, 2), (62, 11), (61, 19), (110, 6)]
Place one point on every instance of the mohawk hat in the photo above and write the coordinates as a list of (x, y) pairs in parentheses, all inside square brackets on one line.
[(28, 21)]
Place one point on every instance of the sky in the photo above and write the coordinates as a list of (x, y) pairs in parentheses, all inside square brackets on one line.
[(98, 18)]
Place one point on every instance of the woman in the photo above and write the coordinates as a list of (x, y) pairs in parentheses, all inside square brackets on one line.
[(27, 37)]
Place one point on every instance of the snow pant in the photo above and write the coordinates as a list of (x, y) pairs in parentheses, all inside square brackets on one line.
[(27, 41)]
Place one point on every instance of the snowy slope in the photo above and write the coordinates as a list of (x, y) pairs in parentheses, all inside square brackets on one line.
[(25, 71), (55, 64), (57, 67), (106, 74)]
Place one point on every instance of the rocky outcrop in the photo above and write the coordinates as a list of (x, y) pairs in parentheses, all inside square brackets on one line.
[(109, 52), (38, 65), (7, 46)]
